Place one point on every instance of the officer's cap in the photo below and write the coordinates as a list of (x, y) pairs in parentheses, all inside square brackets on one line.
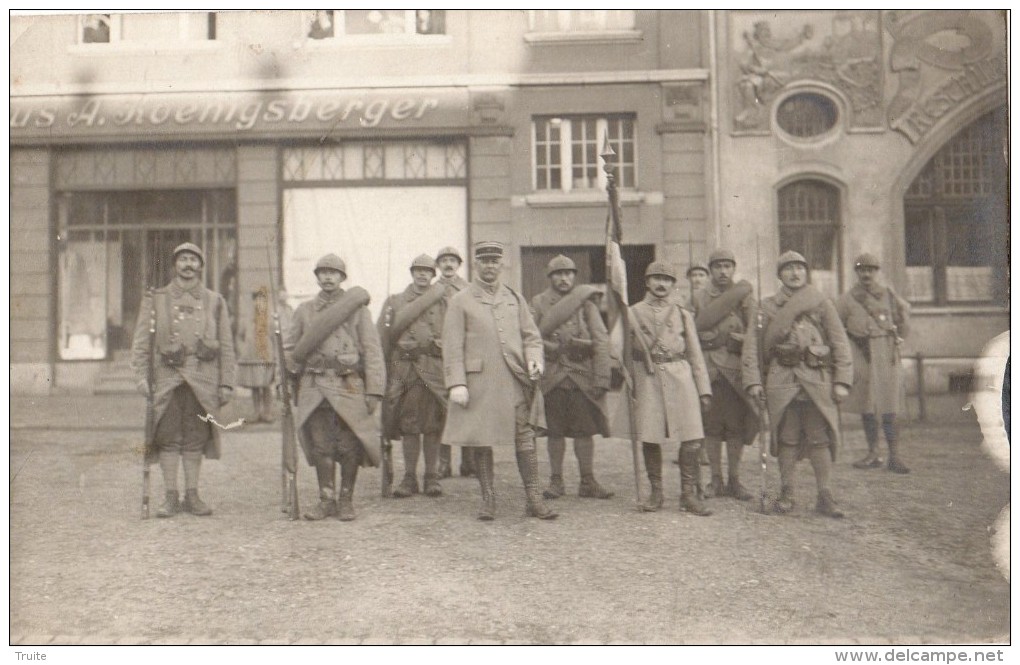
[(559, 263), (449, 251), (662, 269), (788, 257), (866, 260), (721, 255), (331, 262), (488, 248), (424, 261), (191, 248)]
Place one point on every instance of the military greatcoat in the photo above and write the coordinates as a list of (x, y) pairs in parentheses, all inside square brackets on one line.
[(183, 318), (817, 327), (489, 337), (355, 343), (590, 374), (874, 319), (668, 404)]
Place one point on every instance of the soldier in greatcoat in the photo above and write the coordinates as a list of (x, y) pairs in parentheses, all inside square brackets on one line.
[(801, 370), (671, 387), (722, 314), (194, 365), (449, 261), (333, 346), (411, 328), (576, 375), (256, 355), (492, 360), (876, 321)]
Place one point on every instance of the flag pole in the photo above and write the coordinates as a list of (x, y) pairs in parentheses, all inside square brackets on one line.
[(618, 296)]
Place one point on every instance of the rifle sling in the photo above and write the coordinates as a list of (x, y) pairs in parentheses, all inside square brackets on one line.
[(713, 313), (802, 301), (561, 312), (328, 320)]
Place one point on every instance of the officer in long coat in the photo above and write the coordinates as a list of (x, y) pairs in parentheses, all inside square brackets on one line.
[(576, 375), (449, 261), (807, 367), (671, 386), (722, 313), (334, 347), (194, 365), (411, 328), (876, 321), (492, 361)]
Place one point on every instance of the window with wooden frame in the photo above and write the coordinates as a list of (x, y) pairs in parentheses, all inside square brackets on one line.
[(956, 222), (566, 151), (809, 221)]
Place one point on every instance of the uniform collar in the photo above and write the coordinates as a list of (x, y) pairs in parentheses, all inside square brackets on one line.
[(491, 289), (177, 289), (654, 301), (325, 300)]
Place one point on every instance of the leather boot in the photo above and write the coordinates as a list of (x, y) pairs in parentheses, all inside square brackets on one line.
[(345, 498), (325, 508), (484, 470), (785, 503), (527, 463), (716, 487), (170, 506), (467, 461), (712, 445), (653, 466), (689, 466), (407, 487), (734, 451), (445, 470), (871, 460), (555, 489), (590, 489), (432, 486), (195, 505), (896, 465), (827, 505)]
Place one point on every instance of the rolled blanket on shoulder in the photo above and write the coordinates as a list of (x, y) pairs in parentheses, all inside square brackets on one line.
[(801, 302), (565, 308), (328, 320), (711, 314), (409, 313)]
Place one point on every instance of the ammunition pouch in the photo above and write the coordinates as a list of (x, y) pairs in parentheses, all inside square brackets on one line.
[(173, 356), (319, 364), (709, 340), (787, 355), (818, 356), (735, 343), (579, 350), (207, 351), (659, 358)]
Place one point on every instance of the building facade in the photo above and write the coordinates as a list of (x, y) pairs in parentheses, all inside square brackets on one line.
[(271, 138)]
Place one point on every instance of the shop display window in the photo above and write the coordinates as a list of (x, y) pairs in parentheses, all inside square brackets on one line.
[(325, 24), (146, 28)]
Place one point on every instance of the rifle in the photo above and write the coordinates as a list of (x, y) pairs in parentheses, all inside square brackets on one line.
[(287, 429), (385, 447), (764, 427), (690, 264), (150, 406)]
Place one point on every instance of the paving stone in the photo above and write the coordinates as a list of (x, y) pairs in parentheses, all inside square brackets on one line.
[(272, 642), (485, 642), (416, 641), (378, 641), (65, 639), (452, 640), (40, 640), (342, 641)]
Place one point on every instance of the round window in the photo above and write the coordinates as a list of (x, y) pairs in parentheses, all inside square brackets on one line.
[(807, 114)]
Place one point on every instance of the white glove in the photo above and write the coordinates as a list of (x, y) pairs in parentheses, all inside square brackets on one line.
[(459, 395)]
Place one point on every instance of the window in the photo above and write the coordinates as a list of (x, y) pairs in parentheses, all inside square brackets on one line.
[(373, 23), (580, 20), (567, 149), (147, 28), (806, 115), (955, 220), (809, 221)]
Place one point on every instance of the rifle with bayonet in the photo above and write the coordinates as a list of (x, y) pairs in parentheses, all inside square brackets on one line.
[(288, 449), (150, 406), (764, 427), (385, 446)]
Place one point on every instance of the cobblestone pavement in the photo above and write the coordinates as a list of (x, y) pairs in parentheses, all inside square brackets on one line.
[(910, 564)]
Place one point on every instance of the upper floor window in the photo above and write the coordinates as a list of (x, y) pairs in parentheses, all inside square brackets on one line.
[(566, 151), (360, 23), (146, 28), (956, 220), (580, 20), (809, 221)]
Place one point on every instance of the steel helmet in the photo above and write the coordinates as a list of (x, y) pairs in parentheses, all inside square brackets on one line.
[(424, 261), (331, 262), (866, 260), (559, 263), (449, 251), (191, 248), (721, 255), (788, 257), (661, 268)]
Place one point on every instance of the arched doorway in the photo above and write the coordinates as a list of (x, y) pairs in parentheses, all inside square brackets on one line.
[(956, 219)]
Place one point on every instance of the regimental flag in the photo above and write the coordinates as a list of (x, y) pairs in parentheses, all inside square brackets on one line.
[(616, 287)]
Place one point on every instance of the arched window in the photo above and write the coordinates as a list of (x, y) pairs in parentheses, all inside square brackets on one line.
[(809, 221), (956, 219)]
